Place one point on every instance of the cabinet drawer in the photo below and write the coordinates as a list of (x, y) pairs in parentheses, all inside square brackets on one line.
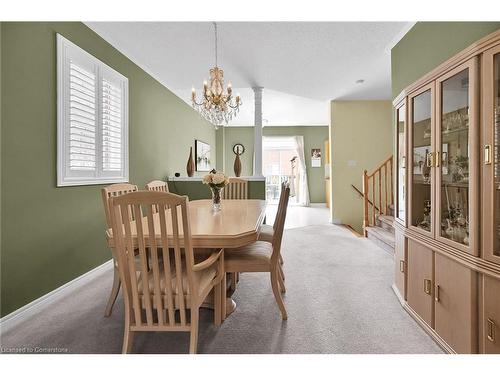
[(491, 315), (420, 280), (455, 292)]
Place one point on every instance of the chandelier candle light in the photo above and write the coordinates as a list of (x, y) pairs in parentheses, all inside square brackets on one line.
[(216, 181), (217, 106)]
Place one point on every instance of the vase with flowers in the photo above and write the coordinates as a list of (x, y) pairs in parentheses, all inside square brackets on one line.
[(216, 181)]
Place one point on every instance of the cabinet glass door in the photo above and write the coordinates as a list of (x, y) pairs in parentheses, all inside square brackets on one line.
[(421, 165), (401, 163), (456, 153), (491, 155), (496, 158)]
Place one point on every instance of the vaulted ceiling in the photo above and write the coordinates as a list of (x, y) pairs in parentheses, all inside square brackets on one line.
[(301, 65)]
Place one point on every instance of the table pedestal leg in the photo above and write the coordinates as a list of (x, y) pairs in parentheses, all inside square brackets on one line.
[(228, 304)]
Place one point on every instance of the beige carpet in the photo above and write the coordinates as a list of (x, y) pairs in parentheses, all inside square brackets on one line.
[(339, 300)]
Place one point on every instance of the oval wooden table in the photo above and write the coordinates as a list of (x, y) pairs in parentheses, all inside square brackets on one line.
[(236, 224)]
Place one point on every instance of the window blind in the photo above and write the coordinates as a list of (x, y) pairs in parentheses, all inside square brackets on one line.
[(92, 119), (82, 119), (111, 127)]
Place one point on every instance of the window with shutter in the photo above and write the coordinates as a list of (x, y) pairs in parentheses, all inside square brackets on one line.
[(92, 119)]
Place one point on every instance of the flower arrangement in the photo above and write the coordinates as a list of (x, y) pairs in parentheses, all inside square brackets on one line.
[(216, 181)]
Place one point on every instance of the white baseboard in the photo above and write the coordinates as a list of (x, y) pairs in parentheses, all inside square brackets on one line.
[(27, 311)]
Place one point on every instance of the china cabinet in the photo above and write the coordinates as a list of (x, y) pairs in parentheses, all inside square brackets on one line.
[(490, 320), (491, 155), (447, 211)]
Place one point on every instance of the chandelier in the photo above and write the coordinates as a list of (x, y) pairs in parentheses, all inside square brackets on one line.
[(217, 106)]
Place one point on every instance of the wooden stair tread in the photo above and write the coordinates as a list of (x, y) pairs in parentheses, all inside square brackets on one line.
[(383, 235)]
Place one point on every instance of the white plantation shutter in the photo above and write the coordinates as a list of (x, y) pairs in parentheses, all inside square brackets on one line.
[(92, 119), (111, 127), (82, 118)]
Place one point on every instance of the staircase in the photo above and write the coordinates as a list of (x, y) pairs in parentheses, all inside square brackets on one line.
[(378, 205), (382, 233)]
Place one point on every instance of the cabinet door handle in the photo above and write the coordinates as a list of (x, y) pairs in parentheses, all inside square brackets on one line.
[(436, 293), (436, 159), (428, 159), (427, 286), (402, 266), (491, 330), (487, 154)]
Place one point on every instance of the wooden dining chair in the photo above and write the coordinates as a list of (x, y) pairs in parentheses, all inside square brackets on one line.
[(236, 189), (262, 256), (167, 283), (108, 192), (157, 185), (266, 233)]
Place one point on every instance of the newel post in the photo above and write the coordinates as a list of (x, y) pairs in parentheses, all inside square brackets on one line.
[(365, 202)]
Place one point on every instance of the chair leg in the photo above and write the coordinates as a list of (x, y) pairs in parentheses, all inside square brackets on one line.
[(193, 341), (281, 279), (218, 304), (128, 335), (223, 287), (277, 294), (114, 291), (281, 260)]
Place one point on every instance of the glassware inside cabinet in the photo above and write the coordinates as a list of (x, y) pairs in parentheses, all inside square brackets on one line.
[(454, 158), (496, 148), (421, 168), (401, 162)]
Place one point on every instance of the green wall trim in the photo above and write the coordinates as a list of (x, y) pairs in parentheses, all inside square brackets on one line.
[(52, 235), (429, 44)]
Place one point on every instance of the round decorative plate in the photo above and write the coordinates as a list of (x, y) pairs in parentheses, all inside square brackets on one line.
[(238, 149)]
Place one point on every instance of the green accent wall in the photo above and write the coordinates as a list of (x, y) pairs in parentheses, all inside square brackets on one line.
[(52, 235), (429, 44), (361, 138), (314, 137)]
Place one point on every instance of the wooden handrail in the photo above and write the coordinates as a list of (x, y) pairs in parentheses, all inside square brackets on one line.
[(385, 192), (362, 196)]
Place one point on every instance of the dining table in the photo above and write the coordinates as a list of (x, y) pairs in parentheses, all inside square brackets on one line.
[(235, 225)]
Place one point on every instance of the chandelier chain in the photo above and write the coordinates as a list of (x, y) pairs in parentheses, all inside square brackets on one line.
[(215, 27)]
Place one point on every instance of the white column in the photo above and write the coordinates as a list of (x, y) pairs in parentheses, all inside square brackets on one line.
[(257, 147)]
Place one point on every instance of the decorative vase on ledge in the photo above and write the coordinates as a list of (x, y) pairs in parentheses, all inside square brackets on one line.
[(190, 163), (237, 166)]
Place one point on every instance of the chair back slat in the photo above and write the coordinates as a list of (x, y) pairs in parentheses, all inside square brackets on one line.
[(167, 262), (143, 263), (155, 268), (154, 286), (126, 257), (179, 285), (236, 189), (280, 224), (114, 190), (280, 204)]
